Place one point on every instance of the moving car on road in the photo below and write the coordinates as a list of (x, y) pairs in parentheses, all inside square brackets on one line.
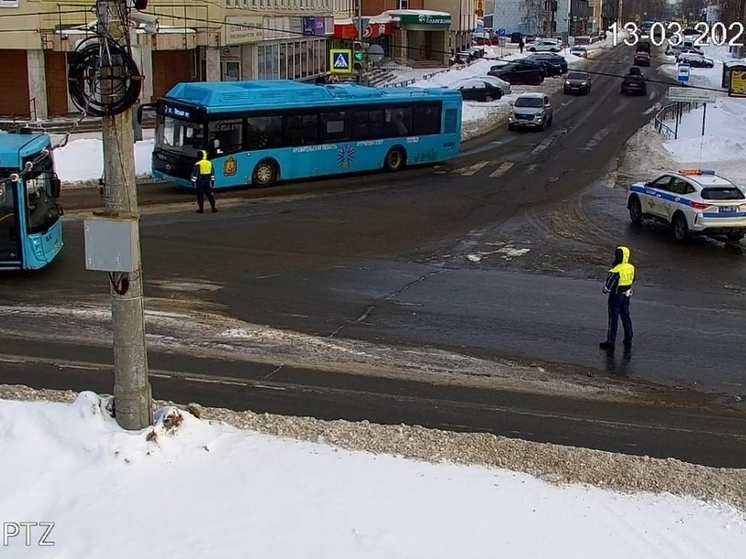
[(578, 82), (634, 83), (692, 202), (582, 52), (531, 110), (642, 59)]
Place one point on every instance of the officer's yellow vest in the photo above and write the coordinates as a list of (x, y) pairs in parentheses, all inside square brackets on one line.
[(205, 167), (626, 273)]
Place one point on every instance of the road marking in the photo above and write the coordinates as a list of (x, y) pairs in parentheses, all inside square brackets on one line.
[(531, 168), (542, 146), (597, 137), (501, 170), (652, 94), (473, 169)]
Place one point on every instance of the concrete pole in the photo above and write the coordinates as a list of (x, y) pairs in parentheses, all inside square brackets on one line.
[(132, 391)]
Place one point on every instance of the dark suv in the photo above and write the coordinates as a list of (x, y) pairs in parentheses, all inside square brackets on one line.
[(519, 72), (550, 58), (634, 83)]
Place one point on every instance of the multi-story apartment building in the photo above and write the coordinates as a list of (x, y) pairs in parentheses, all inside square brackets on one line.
[(414, 30), (195, 40)]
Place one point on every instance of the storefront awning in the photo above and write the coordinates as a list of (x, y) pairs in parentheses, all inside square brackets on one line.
[(426, 19), (373, 27), (344, 29)]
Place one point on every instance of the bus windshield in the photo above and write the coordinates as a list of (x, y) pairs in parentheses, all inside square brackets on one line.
[(41, 207), (179, 136)]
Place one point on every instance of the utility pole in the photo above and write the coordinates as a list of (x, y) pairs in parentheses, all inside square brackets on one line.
[(132, 390)]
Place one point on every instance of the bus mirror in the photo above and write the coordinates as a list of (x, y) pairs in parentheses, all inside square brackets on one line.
[(141, 108), (56, 187)]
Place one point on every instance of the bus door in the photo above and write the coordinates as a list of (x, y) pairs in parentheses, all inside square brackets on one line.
[(10, 238)]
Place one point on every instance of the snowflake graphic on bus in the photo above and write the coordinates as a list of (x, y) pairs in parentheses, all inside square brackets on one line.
[(345, 156)]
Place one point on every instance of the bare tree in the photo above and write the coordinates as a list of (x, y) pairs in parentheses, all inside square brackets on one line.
[(534, 15)]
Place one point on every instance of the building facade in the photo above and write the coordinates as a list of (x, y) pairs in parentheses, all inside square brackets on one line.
[(416, 32), (197, 40)]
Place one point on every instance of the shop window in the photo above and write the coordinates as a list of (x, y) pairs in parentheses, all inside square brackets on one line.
[(224, 137), (426, 120), (334, 126), (399, 122), (264, 132), (402, 4), (301, 130)]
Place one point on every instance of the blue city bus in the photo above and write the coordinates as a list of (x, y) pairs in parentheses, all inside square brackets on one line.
[(261, 132), (30, 217)]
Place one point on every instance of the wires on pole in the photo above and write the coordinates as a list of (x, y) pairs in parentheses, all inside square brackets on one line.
[(104, 79)]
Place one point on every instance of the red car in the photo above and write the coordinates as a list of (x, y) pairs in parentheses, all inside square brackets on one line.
[(642, 59)]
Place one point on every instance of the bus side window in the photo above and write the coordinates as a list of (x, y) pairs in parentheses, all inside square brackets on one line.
[(367, 124), (334, 126), (225, 136), (399, 122), (426, 120), (263, 132), (300, 130)]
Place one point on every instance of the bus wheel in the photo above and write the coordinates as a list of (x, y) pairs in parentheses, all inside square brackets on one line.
[(265, 174), (395, 159)]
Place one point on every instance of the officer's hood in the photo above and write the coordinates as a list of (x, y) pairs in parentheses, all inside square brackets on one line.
[(621, 256), (203, 155)]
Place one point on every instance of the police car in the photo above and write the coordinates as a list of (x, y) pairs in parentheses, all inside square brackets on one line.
[(693, 202)]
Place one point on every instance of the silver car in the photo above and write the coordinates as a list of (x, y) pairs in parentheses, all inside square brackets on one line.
[(531, 110)]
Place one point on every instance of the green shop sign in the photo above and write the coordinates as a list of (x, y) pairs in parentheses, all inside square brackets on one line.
[(425, 19)]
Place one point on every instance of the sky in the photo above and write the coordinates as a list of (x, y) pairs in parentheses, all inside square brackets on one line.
[(200, 489)]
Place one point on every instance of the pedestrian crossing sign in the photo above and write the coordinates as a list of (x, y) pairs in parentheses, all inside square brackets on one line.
[(340, 61)]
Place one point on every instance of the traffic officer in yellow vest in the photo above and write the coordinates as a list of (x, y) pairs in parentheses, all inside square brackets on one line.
[(618, 285), (203, 178)]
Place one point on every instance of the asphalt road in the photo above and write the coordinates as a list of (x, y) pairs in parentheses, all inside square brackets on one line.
[(424, 258)]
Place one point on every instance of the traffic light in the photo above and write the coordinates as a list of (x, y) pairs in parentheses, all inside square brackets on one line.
[(358, 56)]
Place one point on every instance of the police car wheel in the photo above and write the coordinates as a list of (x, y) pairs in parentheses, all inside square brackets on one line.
[(635, 210), (680, 228)]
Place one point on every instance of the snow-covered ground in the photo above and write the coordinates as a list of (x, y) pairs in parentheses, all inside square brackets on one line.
[(723, 146), (81, 161), (200, 488)]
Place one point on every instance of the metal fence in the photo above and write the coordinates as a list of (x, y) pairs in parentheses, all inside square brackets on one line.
[(672, 111)]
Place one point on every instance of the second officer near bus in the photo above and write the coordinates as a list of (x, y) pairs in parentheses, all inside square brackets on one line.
[(203, 178)]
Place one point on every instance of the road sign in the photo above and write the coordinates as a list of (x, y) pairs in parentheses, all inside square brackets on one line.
[(375, 53), (501, 41), (501, 32), (683, 72), (340, 61), (690, 95)]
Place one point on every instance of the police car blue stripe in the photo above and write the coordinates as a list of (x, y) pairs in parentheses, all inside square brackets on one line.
[(658, 194), (679, 200), (725, 214)]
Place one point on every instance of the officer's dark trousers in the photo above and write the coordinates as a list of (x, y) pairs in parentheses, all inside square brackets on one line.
[(619, 307), (204, 190)]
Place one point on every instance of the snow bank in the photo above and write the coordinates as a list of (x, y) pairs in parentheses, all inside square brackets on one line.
[(83, 159), (202, 488)]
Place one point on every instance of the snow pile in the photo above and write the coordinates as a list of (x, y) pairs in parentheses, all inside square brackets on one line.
[(723, 146), (231, 493), (82, 159)]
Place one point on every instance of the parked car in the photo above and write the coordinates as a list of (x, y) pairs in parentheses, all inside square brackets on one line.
[(582, 52), (642, 59), (497, 82), (555, 59), (634, 83), (696, 61), (519, 72), (478, 90), (578, 82), (532, 110), (515, 38), (543, 45)]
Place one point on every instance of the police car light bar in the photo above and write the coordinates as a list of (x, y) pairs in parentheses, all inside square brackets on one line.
[(696, 172)]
